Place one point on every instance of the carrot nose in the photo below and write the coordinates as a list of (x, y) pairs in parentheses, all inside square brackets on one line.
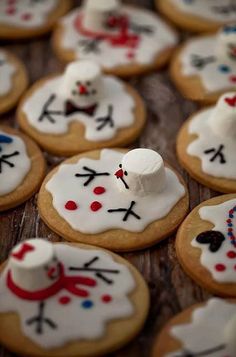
[(82, 89), (119, 173)]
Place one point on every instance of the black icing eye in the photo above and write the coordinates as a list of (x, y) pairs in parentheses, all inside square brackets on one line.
[(54, 259), (46, 267), (120, 165), (88, 83), (126, 173), (73, 92), (94, 91), (78, 83)]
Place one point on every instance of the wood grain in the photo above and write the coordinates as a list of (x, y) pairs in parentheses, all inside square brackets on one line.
[(171, 289)]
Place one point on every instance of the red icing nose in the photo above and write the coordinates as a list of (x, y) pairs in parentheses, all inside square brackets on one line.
[(51, 272), (119, 173), (82, 89)]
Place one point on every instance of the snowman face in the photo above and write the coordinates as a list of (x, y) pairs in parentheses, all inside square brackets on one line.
[(84, 89), (53, 269), (121, 175)]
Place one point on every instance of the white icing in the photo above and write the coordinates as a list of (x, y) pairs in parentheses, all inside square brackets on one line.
[(208, 9), (206, 140), (64, 186), (114, 94), (218, 215), (213, 79), (205, 331), (6, 72), (26, 13), (149, 47), (12, 177), (72, 320)]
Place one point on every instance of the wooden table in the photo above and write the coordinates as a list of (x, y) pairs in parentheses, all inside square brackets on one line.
[(170, 288)]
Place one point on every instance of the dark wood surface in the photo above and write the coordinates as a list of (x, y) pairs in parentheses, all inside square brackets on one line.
[(170, 288)]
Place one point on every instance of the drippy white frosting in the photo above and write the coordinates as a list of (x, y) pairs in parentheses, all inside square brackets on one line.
[(150, 45), (72, 320), (205, 331), (114, 94), (12, 177), (218, 216), (64, 186), (213, 79), (25, 13), (206, 140), (6, 72), (208, 9)]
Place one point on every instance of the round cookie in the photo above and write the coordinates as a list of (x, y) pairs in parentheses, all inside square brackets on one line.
[(81, 110), (119, 200), (198, 16), (29, 18), (125, 40), (206, 247), (200, 330), (206, 145), (22, 168), (13, 80), (204, 67), (48, 289)]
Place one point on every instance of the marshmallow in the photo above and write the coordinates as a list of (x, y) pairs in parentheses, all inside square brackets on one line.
[(97, 12), (230, 336), (33, 265), (141, 172), (223, 117), (226, 45), (82, 83)]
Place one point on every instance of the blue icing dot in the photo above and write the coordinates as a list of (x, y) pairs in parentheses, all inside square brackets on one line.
[(229, 29), (224, 68), (87, 304), (230, 234), (4, 139)]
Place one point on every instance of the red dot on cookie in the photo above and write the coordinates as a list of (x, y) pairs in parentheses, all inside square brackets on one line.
[(99, 190), (71, 205), (231, 254), (11, 11), (106, 298), (26, 16), (233, 78), (64, 300), (130, 55), (95, 206), (220, 267)]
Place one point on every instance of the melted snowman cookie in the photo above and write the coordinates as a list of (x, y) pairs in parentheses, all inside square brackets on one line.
[(206, 245), (198, 15), (206, 145), (107, 198), (206, 330), (51, 288), (205, 67), (81, 110), (21, 168), (124, 40), (28, 18), (13, 80)]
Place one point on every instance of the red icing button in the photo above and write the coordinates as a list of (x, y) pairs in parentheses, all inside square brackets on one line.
[(130, 55), (99, 190), (26, 16), (11, 11), (220, 267), (71, 205), (95, 206), (106, 298), (231, 254), (64, 300), (232, 78)]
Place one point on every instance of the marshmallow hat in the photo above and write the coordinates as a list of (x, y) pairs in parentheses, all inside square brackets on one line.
[(141, 172), (82, 83), (96, 13), (230, 335), (223, 118), (226, 45), (33, 265)]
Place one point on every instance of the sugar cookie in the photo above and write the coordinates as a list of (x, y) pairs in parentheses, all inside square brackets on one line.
[(29, 18), (206, 245), (204, 329), (115, 199), (198, 15), (205, 66), (13, 80), (22, 168), (206, 145), (69, 300), (125, 40), (81, 110)]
